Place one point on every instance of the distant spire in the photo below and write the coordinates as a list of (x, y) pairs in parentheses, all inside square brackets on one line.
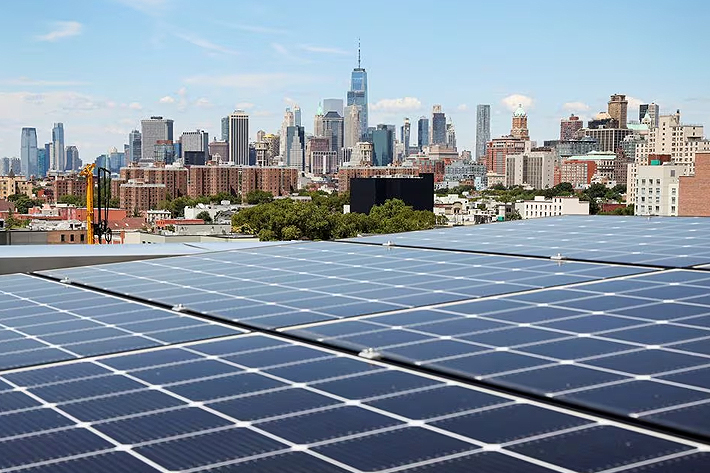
[(358, 54)]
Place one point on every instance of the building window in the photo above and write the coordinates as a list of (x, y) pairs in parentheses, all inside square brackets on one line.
[(71, 237), (63, 238)]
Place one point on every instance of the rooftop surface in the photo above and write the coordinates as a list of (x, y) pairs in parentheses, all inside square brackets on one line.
[(572, 344)]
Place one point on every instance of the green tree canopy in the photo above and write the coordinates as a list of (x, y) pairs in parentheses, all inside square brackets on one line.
[(259, 197), (205, 216)]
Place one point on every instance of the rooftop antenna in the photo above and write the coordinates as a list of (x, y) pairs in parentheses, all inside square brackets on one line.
[(358, 53)]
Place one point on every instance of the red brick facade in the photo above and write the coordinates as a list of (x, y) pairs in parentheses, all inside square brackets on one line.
[(694, 191)]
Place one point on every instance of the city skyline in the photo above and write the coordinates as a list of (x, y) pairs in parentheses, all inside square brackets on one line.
[(279, 58)]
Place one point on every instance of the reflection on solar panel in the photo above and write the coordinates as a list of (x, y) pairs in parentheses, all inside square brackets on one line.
[(254, 403), (43, 321), (474, 357), (623, 345), (303, 283), (670, 242)]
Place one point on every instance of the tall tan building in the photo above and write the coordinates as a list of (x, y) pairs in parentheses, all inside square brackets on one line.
[(520, 124), (618, 107)]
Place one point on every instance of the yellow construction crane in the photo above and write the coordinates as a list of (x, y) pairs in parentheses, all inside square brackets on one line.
[(100, 228), (88, 173)]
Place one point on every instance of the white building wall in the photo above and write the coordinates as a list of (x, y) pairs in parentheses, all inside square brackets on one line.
[(657, 189), (541, 207)]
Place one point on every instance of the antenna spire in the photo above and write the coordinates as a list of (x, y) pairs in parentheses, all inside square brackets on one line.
[(358, 53)]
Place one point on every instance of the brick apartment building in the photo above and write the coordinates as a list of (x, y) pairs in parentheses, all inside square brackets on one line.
[(579, 173), (138, 196), (240, 180), (694, 190), (70, 185), (173, 178), (347, 173)]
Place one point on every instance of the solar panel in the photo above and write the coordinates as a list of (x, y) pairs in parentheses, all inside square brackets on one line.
[(621, 345), (667, 242), (304, 283), (257, 403), (43, 321)]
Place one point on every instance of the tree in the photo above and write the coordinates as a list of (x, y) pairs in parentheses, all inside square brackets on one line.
[(259, 197), (514, 215), (205, 216), (70, 199), (23, 203)]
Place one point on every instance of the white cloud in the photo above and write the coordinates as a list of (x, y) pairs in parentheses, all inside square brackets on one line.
[(135, 106), (27, 82), (256, 29), (203, 102), (634, 102), (513, 101), (323, 50), (280, 48), (205, 44), (397, 105), (576, 106), (62, 29), (253, 81), (462, 108), (244, 106), (167, 99)]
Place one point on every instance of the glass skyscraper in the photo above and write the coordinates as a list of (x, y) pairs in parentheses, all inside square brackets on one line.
[(382, 146), (28, 152), (423, 132), (483, 129), (357, 95), (58, 158), (438, 126)]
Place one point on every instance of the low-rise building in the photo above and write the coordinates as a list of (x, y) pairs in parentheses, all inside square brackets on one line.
[(541, 207), (657, 189)]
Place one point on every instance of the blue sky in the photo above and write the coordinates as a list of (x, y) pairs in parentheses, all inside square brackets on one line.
[(100, 66)]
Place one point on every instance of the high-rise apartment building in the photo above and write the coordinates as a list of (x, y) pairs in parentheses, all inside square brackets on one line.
[(535, 168), (289, 120), (357, 95), (569, 127), (450, 135), (154, 130), (406, 135), (73, 161), (423, 132), (58, 157), (483, 130), (28, 152), (239, 138), (438, 126), (42, 161), (351, 132), (297, 115), (134, 147), (618, 108), (520, 124), (498, 149)]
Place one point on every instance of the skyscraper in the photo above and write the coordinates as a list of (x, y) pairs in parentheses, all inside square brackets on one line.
[(239, 138), (438, 126), (289, 120), (297, 115), (153, 130), (134, 147), (28, 152), (618, 107), (382, 146), (653, 113), (333, 130), (450, 135), (73, 162), (317, 122), (333, 105), (194, 147), (351, 132), (483, 130), (569, 127), (295, 147), (225, 128), (520, 124), (406, 134), (58, 157), (357, 95), (422, 132), (42, 161)]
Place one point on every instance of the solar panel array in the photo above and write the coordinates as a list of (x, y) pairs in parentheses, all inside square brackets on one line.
[(488, 356), (671, 242), (255, 403)]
